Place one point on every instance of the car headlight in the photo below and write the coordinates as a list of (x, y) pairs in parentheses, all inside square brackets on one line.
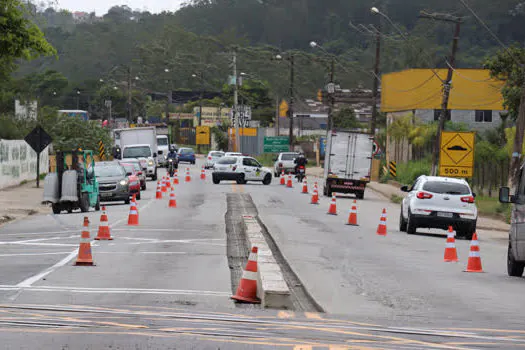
[(150, 163), (123, 182)]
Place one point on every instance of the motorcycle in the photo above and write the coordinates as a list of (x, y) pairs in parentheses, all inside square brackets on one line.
[(300, 173), (172, 166)]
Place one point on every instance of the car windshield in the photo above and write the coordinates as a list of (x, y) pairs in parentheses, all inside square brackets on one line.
[(185, 151), (289, 156), (446, 187), (129, 168), (216, 154), (109, 171), (227, 160), (163, 141), (136, 152)]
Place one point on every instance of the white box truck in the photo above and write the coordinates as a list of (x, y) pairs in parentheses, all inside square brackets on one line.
[(348, 160), (139, 143)]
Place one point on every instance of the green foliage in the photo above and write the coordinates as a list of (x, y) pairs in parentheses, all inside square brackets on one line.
[(507, 65), (266, 159), (408, 172), (345, 119), (396, 199), (221, 137)]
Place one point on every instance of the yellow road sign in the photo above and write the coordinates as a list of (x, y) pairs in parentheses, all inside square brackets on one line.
[(202, 135), (283, 109), (456, 158)]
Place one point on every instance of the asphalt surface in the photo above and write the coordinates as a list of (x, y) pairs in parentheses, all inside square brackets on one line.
[(167, 282)]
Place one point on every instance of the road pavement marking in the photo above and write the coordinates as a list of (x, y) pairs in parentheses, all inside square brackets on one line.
[(29, 281), (286, 314), (313, 315), (181, 253), (113, 290), (39, 233), (29, 254)]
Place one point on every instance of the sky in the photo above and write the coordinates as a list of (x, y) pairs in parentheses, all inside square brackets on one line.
[(102, 6)]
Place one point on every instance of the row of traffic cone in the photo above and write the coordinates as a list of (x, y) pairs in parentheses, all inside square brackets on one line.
[(451, 254)]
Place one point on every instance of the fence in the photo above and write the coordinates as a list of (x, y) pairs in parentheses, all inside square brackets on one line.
[(489, 176), (18, 162)]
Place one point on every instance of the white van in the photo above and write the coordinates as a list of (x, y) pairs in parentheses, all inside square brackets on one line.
[(163, 148)]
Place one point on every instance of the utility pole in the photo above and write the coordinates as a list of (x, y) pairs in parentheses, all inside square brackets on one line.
[(290, 108), (201, 77), (375, 92), (236, 103), (515, 161), (129, 95), (447, 83), (277, 116), (331, 99)]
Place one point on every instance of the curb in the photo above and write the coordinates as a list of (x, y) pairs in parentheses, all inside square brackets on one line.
[(488, 228), (271, 285)]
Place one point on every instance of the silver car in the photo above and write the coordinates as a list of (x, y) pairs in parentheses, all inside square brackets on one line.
[(113, 182), (212, 157)]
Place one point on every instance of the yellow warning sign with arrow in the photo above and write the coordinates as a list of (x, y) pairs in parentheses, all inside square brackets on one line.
[(456, 157), (283, 109)]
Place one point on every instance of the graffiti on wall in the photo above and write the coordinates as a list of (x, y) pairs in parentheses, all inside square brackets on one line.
[(18, 162)]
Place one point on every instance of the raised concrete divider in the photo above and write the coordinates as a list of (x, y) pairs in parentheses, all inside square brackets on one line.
[(271, 286)]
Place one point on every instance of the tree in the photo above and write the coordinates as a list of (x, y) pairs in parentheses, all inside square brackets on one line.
[(25, 39), (345, 119)]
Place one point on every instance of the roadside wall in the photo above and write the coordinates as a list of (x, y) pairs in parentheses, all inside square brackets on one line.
[(18, 162)]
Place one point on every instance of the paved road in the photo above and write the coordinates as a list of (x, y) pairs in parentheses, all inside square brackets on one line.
[(166, 283)]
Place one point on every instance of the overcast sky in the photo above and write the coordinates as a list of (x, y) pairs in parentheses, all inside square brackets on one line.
[(102, 6)]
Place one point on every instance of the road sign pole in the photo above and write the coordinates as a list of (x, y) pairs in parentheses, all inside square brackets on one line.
[(38, 170)]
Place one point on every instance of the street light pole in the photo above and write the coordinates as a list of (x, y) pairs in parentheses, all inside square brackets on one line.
[(290, 108), (375, 92), (129, 95), (236, 103)]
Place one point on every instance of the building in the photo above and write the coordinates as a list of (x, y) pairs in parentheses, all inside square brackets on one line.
[(475, 97), (212, 116)]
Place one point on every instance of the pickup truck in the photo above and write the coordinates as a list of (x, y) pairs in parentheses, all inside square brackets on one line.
[(284, 161)]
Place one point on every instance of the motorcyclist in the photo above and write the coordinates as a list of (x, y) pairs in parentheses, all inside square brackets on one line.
[(172, 155), (300, 161)]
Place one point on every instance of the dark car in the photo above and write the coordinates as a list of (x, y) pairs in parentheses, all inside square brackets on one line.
[(186, 155), (113, 182)]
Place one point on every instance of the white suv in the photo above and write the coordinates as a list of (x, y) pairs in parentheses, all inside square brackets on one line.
[(285, 162), (240, 169), (439, 202)]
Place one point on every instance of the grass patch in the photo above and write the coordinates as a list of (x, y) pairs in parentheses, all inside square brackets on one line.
[(407, 173), (396, 199), (266, 159), (491, 207), (23, 182)]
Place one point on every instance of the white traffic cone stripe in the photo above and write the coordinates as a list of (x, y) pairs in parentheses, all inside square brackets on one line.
[(249, 275), (474, 244), (133, 212), (450, 245), (85, 240), (252, 257), (104, 223), (474, 254)]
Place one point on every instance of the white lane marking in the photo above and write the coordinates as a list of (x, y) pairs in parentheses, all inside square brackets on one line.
[(48, 244), (29, 281), (35, 240), (113, 290), (29, 254), (142, 253), (161, 230), (179, 241), (39, 233)]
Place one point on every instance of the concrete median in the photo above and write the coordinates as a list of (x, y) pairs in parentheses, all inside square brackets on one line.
[(271, 285)]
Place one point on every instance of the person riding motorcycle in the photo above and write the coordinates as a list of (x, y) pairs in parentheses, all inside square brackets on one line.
[(172, 160), (300, 161)]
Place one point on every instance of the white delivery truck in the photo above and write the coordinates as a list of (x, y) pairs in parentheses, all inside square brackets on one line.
[(348, 160), (139, 143)]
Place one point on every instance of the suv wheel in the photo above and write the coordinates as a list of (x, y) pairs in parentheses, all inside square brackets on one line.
[(402, 222), (514, 268), (267, 179), (97, 206), (411, 224), (241, 180), (84, 202)]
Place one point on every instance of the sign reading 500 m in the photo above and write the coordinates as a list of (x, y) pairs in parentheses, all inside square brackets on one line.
[(456, 158)]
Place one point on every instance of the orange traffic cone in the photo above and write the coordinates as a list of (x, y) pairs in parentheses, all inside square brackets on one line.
[(381, 228), (352, 217), (163, 185), (133, 218), (173, 201), (203, 174), (176, 178), (103, 230), (158, 194), (168, 182), (289, 181), (305, 186), (282, 178), (332, 210), (84, 257), (247, 290), (188, 177), (315, 195), (451, 255), (474, 260)]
